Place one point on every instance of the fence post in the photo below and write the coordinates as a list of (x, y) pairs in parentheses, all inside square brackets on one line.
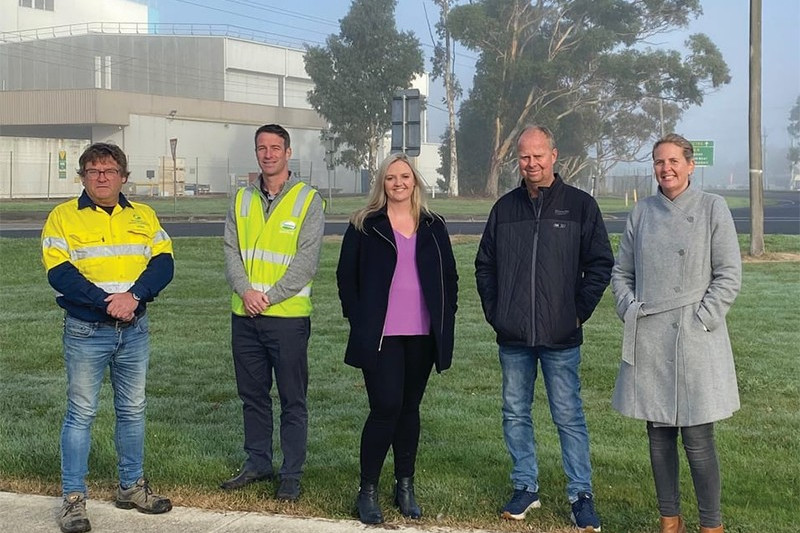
[(49, 171)]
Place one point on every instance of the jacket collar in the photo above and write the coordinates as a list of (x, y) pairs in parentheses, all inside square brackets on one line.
[(287, 185), (84, 201), (689, 194), (557, 183), (376, 217)]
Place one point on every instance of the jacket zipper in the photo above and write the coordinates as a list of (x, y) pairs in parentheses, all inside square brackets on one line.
[(387, 239), (537, 212), (441, 281)]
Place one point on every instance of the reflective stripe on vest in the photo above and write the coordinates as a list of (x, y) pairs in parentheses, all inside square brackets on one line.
[(268, 246), (109, 251)]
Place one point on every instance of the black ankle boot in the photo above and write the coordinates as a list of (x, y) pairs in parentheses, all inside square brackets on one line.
[(369, 512), (404, 498)]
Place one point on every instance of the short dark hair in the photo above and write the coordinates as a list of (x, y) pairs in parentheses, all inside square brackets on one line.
[(277, 129), (677, 140), (99, 151)]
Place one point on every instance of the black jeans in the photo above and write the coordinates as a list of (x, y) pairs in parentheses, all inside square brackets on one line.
[(395, 389), (263, 345), (698, 441)]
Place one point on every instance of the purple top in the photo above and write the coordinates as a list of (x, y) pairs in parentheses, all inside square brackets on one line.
[(406, 313)]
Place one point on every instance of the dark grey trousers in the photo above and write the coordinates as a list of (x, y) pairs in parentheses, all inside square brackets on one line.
[(698, 442), (263, 345)]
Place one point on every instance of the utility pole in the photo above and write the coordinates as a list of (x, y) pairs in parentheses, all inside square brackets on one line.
[(756, 162), (330, 154), (173, 144)]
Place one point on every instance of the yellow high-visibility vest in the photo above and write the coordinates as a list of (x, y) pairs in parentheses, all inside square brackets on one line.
[(110, 251), (268, 246)]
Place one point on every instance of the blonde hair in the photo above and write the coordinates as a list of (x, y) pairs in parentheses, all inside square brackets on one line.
[(679, 141), (377, 194)]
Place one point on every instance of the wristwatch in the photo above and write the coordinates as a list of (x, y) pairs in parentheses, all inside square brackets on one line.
[(136, 297)]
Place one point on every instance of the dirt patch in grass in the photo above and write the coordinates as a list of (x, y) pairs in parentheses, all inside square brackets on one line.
[(774, 257)]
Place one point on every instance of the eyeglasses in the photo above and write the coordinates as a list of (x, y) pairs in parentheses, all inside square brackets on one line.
[(93, 173)]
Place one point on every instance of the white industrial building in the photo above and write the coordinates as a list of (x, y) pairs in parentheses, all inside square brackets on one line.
[(66, 82)]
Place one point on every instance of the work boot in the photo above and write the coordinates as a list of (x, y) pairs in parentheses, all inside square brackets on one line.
[(717, 529), (72, 518), (141, 497), (672, 524), (369, 512), (404, 498)]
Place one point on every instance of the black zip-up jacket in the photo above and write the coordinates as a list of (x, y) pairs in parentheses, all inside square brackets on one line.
[(366, 266), (542, 267)]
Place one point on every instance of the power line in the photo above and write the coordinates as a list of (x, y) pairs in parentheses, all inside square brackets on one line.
[(266, 21), (294, 14)]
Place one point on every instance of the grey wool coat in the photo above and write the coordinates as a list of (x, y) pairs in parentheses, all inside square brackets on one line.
[(677, 273)]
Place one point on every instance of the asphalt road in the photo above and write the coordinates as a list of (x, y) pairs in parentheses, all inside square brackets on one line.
[(782, 217)]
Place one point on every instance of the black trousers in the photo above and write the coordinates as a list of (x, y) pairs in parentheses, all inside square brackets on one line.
[(698, 442), (263, 345), (395, 389)]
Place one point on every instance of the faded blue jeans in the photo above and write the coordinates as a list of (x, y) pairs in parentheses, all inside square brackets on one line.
[(562, 381), (90, 348)]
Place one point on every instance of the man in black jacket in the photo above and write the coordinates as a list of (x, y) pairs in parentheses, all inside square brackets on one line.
[(543, 264)]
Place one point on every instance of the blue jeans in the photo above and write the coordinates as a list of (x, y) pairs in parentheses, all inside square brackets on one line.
[(562, 381), (90, 348)]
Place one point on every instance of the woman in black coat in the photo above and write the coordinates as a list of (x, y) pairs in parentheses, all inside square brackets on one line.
[(398, 287)]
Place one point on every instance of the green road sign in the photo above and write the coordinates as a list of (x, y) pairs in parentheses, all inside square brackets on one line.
[(703, 153)]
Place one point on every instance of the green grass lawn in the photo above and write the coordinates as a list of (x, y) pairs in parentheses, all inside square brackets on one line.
[(194, 434), (339, 205)]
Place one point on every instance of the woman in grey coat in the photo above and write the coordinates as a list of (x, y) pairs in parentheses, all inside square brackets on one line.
[(677, 273)]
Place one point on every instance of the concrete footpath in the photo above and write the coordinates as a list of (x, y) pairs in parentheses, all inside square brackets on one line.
[(25, 513)]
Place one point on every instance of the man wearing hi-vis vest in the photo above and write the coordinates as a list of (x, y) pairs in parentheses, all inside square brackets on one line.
[(273, 235), (106, 258)]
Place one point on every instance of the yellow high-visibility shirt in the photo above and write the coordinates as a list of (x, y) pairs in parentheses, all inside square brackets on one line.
[(110, 251)]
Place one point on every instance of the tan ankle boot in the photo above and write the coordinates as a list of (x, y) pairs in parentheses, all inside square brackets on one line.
[(672, 524), (717, 529)]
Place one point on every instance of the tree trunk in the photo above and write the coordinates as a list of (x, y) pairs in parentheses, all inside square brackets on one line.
[(493, 182), (372, 159), (451, 112), (450, 94)]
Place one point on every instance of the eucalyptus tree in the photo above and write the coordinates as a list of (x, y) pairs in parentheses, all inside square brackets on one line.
[(443, 61), (355, 76), (582, 67), (794, 136)]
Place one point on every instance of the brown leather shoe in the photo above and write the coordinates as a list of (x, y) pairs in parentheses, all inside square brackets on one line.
[(717, 529), (672, 524)]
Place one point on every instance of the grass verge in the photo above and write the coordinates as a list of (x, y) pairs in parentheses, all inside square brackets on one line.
[(194, 434)]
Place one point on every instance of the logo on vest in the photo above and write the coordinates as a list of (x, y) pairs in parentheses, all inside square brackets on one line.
[(288, 225), (137, 223)]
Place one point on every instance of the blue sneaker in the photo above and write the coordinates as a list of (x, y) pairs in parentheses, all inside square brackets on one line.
[(520, 503), (583, 514)]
